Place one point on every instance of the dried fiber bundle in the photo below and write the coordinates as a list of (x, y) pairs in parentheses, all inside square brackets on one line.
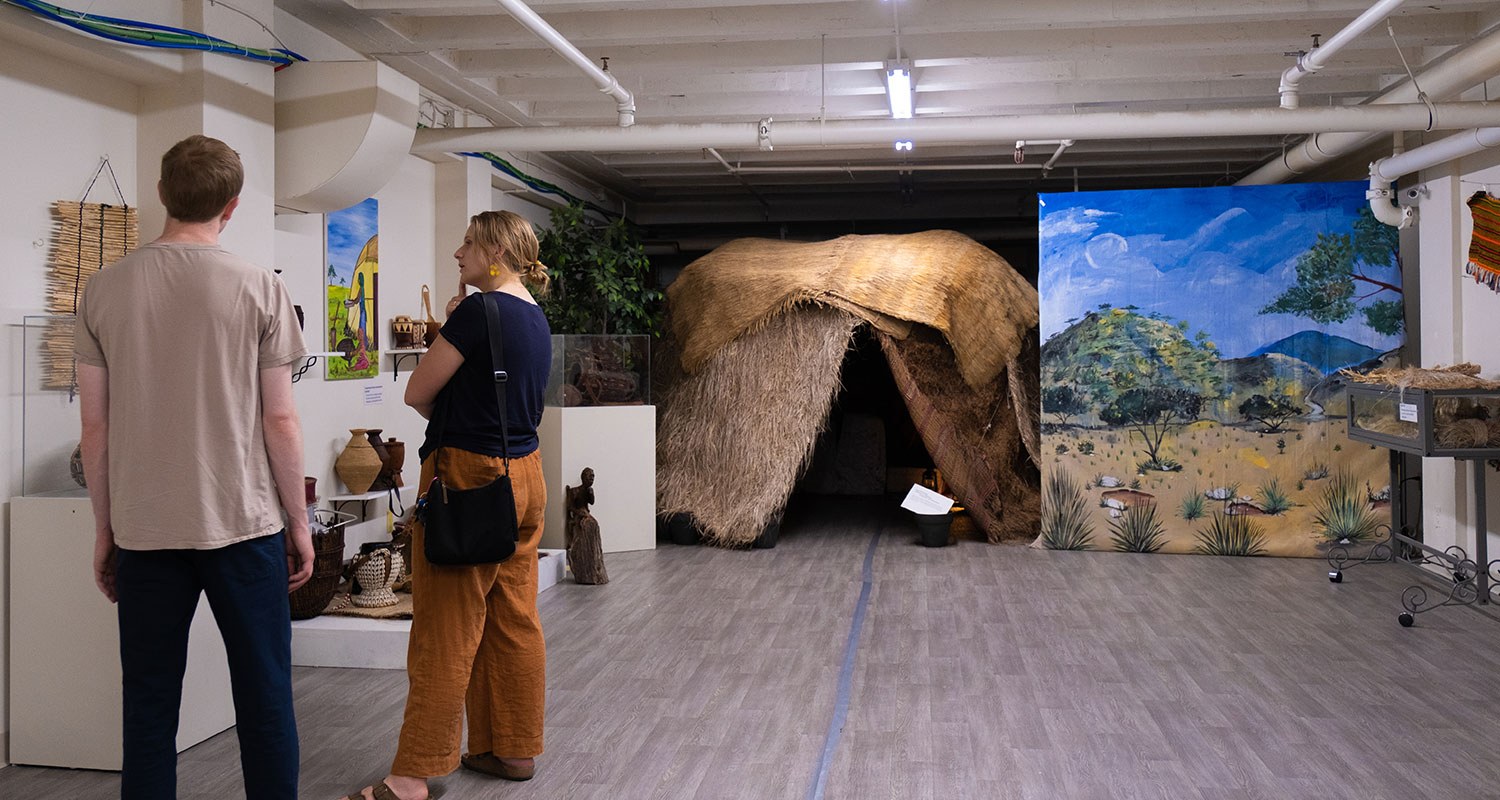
[(975, 435), (733, 437), (1493, 429), (1463, 433), (1458, 376), (940, 279)]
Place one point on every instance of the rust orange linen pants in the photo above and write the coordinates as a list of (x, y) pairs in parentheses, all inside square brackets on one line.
[(476, 639)]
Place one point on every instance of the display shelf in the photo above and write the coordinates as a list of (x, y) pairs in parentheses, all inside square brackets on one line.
[(401, 355), (1413, 421), (312, 358), (337, 501)]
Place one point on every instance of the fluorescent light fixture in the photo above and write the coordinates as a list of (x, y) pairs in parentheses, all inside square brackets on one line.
[(903, 145), (898, 89)]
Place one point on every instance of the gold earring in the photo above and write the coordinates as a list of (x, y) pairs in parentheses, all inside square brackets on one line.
[(494, 270)]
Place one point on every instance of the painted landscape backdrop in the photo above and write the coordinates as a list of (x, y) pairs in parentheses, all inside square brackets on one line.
[(1191, 344)]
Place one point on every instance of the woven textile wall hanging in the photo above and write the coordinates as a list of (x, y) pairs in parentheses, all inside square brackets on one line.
[(85, 238), (1484, 248)]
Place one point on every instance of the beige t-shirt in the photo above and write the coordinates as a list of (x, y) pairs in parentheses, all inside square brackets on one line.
[(184, 330)]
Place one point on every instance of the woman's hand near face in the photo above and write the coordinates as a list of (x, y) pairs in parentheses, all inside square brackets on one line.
[(452, 304)]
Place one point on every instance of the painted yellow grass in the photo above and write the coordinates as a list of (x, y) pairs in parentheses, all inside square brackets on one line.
[(1219, 456)]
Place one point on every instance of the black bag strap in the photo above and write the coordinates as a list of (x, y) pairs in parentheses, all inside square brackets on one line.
[(497, 358)]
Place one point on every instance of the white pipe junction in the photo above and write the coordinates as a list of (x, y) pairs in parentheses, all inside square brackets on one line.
[(1309, 63), (625, 102), (1459, 71), (1385, 171)]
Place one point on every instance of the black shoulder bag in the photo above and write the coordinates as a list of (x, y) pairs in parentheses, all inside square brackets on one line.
[(473, 526)]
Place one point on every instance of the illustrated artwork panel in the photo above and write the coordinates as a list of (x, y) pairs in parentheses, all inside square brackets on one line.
[(1192, 343), (353, 258)]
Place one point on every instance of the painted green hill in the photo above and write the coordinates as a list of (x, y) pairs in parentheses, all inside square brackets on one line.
[(1110, 351)]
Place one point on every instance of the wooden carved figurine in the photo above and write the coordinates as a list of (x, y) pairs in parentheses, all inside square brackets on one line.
[(581, 537)]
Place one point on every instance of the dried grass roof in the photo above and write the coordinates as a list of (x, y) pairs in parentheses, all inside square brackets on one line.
[(941, 279)]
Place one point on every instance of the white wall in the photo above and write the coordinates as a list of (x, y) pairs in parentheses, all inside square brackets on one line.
[(1460, 322), (72, 117), (330, 408)]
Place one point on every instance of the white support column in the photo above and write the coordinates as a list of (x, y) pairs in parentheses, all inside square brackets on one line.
[(462, 189), (228, 98)]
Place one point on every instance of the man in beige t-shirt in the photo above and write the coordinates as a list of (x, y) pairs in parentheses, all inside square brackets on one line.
[(193, 450)]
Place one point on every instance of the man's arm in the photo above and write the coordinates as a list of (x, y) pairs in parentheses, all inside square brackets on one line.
[(283, 431), (93, 400)]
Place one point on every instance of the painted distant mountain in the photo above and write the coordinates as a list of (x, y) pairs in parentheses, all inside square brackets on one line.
[(1322, 351)]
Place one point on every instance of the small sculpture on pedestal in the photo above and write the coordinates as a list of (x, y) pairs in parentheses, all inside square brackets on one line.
[(581, 537)]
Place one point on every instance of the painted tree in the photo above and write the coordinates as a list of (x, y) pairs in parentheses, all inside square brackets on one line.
[(1332, 281), (1273, 411), (1063, 401), (1152, 412)]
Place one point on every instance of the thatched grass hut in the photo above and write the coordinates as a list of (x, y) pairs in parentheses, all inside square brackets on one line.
[(750, 370)]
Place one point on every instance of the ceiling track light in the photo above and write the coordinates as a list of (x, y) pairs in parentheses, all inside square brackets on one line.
[(898, 88)]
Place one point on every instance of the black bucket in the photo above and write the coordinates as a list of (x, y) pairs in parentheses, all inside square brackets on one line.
[(933, 529)]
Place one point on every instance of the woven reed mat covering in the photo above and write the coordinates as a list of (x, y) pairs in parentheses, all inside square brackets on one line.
[(1458, 376), (85, 238), (732, 438), (941, 279), (973, 435), (1484, 247)]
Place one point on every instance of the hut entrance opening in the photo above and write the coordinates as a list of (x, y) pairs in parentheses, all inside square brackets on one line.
[(869, 446)]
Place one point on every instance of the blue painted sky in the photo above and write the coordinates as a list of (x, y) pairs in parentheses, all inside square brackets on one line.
[(348, 230), (1213, 257)]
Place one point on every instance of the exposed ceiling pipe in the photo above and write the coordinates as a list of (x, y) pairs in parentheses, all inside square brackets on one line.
[(1460, 70), (962, 130), (795, 168), (605, 81), (1385, 171), (1052, 162), (1308, 63)]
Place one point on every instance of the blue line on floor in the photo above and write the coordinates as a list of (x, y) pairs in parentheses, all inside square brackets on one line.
[(846, 675)]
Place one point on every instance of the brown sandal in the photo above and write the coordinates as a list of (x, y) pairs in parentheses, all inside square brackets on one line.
[(490, 764), (379, 790)]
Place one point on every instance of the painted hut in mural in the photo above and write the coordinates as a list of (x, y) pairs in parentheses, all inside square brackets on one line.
[(750, 371)]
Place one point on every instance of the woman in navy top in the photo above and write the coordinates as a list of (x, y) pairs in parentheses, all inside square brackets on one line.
[(476, 640)]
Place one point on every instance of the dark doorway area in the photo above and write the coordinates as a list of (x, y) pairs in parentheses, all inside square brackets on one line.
[(870, 446)]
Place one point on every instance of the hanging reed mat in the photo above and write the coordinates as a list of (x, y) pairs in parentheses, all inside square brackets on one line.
[(85, 238), (311, 598)]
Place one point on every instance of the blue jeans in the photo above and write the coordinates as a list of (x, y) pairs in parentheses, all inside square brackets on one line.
[(158, 593)]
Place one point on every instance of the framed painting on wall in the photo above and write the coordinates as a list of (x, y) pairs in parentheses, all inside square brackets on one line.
[(353, 257)]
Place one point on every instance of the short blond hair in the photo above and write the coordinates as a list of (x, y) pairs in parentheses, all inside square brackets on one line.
[(512, 236), (199, 176)]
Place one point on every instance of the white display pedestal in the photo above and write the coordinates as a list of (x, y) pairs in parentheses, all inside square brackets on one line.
[(329, 641), (619, 443), (65, 647)]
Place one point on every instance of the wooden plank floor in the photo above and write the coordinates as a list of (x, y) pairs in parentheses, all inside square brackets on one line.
[(983, 672)]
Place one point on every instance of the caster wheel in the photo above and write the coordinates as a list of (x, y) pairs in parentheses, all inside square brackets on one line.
[(1336, 576), (1406, 619)]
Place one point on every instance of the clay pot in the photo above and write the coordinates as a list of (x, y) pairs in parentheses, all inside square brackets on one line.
[(395, 460), (359, 465), (383, 480), (310, 489)]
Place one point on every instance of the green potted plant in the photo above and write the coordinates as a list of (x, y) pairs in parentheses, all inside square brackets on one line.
[(601, 277)]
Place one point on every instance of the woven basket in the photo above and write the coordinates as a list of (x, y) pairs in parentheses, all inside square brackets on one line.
[(311, 598)]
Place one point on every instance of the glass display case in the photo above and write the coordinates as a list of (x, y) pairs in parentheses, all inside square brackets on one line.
[(1456, 423), (49, 409), (600, 371)]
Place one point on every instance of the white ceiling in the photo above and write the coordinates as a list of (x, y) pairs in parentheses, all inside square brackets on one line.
[(740, 61)]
